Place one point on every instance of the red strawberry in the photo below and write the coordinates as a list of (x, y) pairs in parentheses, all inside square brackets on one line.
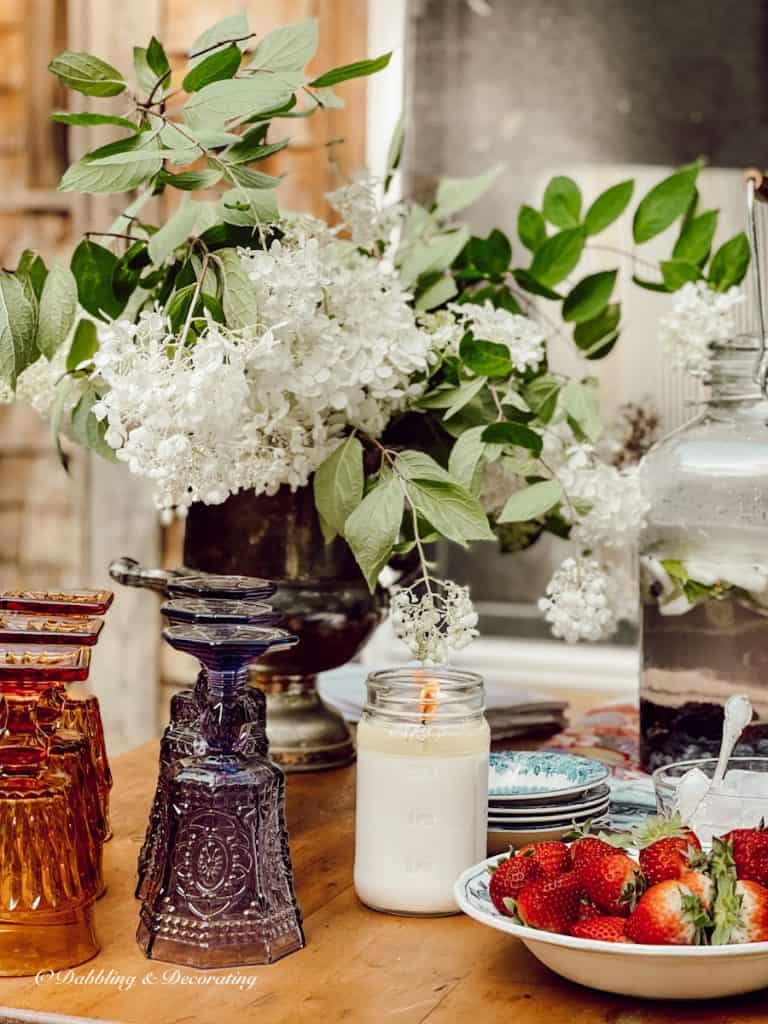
[(701, 883), (613, 883), (553, 858), (602, 929), (657, 828), (508, 878), (750, 853), (589, 849), (668, 858), (550, 903), (668, 914), (588, 911), (740, 908)]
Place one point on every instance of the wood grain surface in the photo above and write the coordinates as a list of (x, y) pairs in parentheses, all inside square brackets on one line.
[(359, 966)]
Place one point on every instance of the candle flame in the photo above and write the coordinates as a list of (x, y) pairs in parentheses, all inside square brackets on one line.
[(428, 697)]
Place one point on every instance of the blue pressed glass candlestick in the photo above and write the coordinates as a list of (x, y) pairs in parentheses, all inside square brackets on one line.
[(224, 887)]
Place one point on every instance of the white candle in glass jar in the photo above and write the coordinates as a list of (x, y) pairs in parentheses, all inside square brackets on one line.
[(422, 790)]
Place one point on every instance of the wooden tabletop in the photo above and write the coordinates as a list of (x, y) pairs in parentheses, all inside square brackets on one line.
[(359, 966)]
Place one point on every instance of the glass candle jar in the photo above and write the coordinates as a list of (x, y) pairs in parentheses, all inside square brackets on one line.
[(422, 789)]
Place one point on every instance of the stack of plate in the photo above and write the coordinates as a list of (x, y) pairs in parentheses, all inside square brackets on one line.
[(536, 795)]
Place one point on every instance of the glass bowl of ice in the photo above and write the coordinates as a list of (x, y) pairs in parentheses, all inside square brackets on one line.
[(739, 801)]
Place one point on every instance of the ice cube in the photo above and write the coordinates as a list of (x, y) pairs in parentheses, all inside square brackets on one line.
[(691, 790), (743, 782)]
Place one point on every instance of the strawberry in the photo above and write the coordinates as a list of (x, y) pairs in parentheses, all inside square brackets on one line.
[(613, 883), (508, 878), (740, 908), (601, 929), (750, 853), (551, 904), (553, 858), (588, 849), (668, 858), (668, 914), (701, 883)]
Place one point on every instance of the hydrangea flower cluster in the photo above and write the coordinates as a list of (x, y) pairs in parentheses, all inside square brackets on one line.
[(334, 343), (577, 603), (358, 206), (606, 505), (699, 317), (433, 620)]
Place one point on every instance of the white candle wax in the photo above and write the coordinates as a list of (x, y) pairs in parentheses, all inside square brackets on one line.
[(422, 812)]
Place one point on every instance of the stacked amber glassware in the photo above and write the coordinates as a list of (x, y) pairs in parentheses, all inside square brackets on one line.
[(54, 780), (215, 876)]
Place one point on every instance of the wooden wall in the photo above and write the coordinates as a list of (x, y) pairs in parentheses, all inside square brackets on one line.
[(57, 529)]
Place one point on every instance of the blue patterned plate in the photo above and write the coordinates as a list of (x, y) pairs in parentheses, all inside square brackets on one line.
[(522, 774)]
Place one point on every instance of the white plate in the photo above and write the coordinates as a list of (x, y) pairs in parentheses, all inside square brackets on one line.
[(521, 774), (653, 972), (545, 800), (553, 819)]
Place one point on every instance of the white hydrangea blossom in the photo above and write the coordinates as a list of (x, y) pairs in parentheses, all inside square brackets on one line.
[(577, 603), (434, 621), (520, 334), (607, 506), (699, 317), (358, 205), (334, 343), (37, 385)]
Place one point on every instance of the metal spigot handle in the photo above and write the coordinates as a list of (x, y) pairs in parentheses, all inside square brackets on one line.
[(757, 188), (131, 573)]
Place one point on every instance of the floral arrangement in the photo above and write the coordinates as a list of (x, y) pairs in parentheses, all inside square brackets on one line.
[(395, 362)]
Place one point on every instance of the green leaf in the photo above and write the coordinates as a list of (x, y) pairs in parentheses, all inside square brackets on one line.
[(608, 207), (676, 273), (116, 167), (729, 264), (530, 284), (338, 486), (87, 74), (415, 465), (18, 322), (248, 148), (32, 269), (651, 286), (394, 152), (531, 227), (239, 292), (92, 120), (436, 294), (87, 430), (93, 267), (597, 337), (191, 181), (466, 455), (582, 405), (58, 308), (217, 66), (359, 69), (246, 207), (251, 179), (216, 104), (485, 358), (531, 502), (223, 32), (85, 344), (664, 204), (431, 255), (372, 529), (453, 511), (695, 239), (176, 230), (541, 395), (454, 194), (464, 394), (515, 434), (557, 257), (562, 202), (589, 297), (288, 48), (491, 255), (156, 58)]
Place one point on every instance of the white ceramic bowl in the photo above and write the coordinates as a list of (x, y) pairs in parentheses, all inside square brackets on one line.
[(652, 972)]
